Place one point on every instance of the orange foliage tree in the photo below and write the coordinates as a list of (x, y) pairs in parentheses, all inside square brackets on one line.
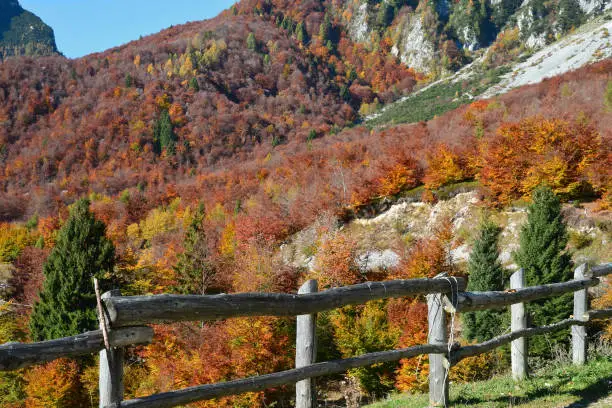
[(445, 166), (429, 256), (410, 315), (55, 384), (537, 151), (335, 262), (186, 355)]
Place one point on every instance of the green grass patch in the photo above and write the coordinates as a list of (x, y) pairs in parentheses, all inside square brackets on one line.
[(438, 99), (554, 386)]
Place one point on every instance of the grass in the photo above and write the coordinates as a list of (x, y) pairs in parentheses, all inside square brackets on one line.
[(554, 386), (438, 99)]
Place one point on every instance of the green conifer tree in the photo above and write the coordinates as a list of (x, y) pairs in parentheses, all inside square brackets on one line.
[(194, 85), (163, 133), (325, 29), (485, 273), (129, 81), (385, 16), (301, 34), (543, 257), (570, 15), (251, 42), (193, 270), (67, 304)]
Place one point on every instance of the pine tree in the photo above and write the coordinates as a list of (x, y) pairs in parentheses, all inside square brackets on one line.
[(544, 259), (385, 16), (163, 133), (570, 15), (67, 304), (194, 85), (325, 29), (301, 34), (193, 270), (251, 42), (485, 273), (129, 81)]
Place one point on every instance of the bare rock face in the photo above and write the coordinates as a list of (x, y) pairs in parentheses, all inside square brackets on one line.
[(358, 27), (594, 6), (413, 46), (378, 260)]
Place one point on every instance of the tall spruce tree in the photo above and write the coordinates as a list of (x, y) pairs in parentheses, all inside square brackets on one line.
[(193, 270), (485, 273), (325, 29), (301, 33), (543, 257), (67, 304), (251, 42), (163, 133)]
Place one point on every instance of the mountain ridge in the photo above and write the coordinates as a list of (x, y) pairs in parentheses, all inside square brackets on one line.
[(255, 84), (22, 33)]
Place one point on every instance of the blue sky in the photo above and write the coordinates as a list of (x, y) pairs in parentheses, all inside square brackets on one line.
[(85, 26)]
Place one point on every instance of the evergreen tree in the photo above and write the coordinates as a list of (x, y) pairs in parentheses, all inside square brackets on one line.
[(129, 81), (570, 15), (544, 259), (251, 42), (485, 273), (301, 34), (194, 85), (385, 16), (67, 304), (325, 29), (163, 133), (193, 270)]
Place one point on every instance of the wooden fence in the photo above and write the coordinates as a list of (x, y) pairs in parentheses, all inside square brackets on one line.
[(123, 320)]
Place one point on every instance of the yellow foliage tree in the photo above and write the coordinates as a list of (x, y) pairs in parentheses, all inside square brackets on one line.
[(227, 245), (13, 239), (444, 166), (54, 385), (158, 221)]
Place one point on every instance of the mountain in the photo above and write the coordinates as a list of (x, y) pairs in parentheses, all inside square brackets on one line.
[(199, 103), (255, 145), (23, 33)]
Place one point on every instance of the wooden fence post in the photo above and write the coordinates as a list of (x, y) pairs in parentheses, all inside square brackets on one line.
[(579, 341), (111, 368), (438, 380), (518, 347), (306, 351)]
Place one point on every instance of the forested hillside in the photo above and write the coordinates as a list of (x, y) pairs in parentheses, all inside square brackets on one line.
[(204, 149)]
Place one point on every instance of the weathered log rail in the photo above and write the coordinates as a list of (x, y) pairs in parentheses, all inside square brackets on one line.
[(127, 314), (14, 356), (262, 382), (471, 301), (137, 310)]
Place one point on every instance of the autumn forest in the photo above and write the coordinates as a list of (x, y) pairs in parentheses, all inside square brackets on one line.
[(202, 150)]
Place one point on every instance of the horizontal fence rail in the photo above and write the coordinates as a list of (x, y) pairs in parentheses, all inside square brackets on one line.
[(127, 315), (137, 310), (601, 270), (262, 382), (471, 301), (598, 314), (14, 356)]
